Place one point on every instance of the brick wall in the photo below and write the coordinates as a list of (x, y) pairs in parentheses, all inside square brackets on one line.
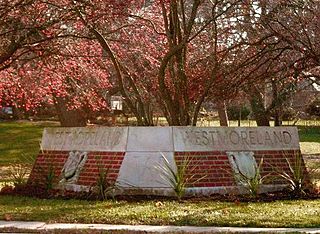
[(276, 161), (46, 163), (53, 161), (206, 169), (215, 169), (110, 162)]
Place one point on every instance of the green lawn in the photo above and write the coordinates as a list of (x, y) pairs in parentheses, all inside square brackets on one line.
[(20, 140), (298, 213), (309, 134)]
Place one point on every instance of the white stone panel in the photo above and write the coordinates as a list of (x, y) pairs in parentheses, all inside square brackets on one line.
[(156, 139), (112, 139), (235, 139), (141, 170)]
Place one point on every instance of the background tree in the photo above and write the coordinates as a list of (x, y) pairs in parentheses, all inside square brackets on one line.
[(170, 56), (279, 64)]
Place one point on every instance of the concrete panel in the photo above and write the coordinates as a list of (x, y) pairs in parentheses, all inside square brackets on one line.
[(141, 170), (235, 139), (154, 139), (111, 139)]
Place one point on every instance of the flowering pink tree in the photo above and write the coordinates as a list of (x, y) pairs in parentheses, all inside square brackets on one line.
[(164, 55)]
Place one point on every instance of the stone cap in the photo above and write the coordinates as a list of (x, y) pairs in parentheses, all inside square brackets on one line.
[(168, 139), (195, 139), (154, 139), (113, 139)]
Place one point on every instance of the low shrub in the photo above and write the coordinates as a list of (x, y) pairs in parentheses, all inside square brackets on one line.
[(178, 175)]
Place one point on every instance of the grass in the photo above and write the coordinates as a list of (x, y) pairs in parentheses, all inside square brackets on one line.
[(299, 213), (20, 140), (309, 139), (309, 134)]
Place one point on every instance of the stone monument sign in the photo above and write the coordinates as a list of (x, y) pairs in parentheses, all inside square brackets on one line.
[(131, 153)]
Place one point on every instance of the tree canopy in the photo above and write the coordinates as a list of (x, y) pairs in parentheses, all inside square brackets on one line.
[(167, 56)]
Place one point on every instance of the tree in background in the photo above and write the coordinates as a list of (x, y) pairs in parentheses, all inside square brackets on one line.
[(58, 66), (281, 60), (74, 83), (27, 26), (171, 55)]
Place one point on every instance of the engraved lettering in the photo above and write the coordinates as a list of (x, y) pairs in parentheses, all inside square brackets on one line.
[(277, 136), (267, 138), (80, 138), (92, 138), (260, 139), (222, 138), (212, 137), (102, 139), (87, 138), (205, 138), (253, 137), (244, 137), (234, 137), (287, 138), (115, 138), (197, 137), (58, 138), (68, 138)]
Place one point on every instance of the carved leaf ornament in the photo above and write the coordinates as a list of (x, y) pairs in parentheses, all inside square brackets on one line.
[(73, 165)]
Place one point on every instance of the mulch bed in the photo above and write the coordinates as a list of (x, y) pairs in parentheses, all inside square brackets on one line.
[(39, 192)]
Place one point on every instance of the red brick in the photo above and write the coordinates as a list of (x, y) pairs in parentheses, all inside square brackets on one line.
[(223, 157)]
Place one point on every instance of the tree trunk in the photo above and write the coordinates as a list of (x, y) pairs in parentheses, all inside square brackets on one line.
[(277, 118), (259, 111), (277, 102), (262, 120), (223, 116), (69, 118), (17, 114)]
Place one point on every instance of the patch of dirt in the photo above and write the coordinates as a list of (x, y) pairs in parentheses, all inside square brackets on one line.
[(42, 193)]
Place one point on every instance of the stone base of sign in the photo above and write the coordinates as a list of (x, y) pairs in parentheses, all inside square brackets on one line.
[(132, 159), (198, 191), (74, 188)]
